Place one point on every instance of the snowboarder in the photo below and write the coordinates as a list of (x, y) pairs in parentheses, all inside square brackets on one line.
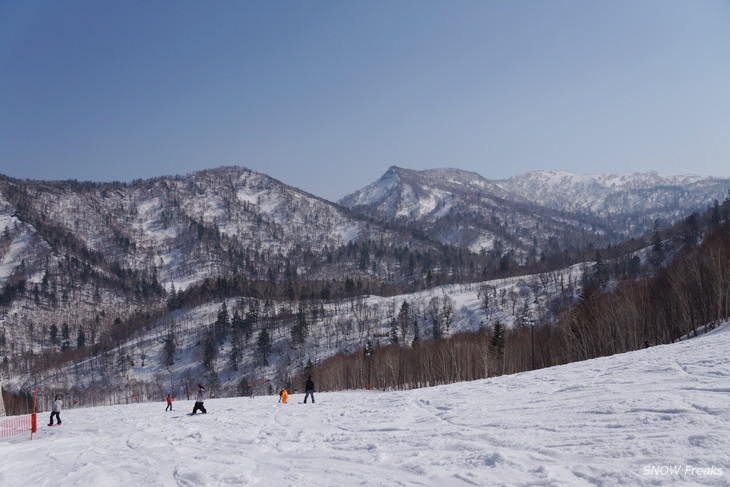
[(57, 403), (283, 396), (309, 390), (169, 403), (199, 400)]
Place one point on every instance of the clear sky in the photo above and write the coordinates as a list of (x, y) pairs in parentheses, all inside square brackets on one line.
[(326, 95)]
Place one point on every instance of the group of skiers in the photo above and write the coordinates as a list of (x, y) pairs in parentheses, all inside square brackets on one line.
[(198, 401), (200, 398), (308, 392)]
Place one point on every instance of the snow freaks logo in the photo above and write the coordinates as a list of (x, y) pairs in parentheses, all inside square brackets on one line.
[(686, 471)]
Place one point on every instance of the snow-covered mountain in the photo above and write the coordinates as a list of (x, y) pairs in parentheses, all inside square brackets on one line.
[(655, 417), (466, 210), (85, 258), (647, 195), (533, 212), (181, 229), (431, 194)]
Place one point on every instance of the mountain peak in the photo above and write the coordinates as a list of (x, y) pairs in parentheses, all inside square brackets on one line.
[(547, 202)]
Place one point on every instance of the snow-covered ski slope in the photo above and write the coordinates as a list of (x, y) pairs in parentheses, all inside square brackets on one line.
[(659, 416)]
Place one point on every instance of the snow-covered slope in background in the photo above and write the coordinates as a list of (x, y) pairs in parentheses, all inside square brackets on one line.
[(464, 209), (648, 418), (159, 225), (526, 212), (341, 326), (651, 193)]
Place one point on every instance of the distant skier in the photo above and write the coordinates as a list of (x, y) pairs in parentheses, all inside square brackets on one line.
[(169, 403), (647, 344), (309, 390), (199, 400), (57, 403), (283, 396)]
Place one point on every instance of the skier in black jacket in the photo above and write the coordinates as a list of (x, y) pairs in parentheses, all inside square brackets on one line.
[(57, 410), (199, 400), (309, 390)]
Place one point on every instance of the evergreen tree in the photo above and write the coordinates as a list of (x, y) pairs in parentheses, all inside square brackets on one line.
[(222, 323), (252, 318), (404, 319), (600, 271), (349, 287), (364, 259), (65, 337), (497, 342), (715, 217), (53, 334), (264, 347), (81, 339), (236, 351), (393, 335), (236, 345), (416, 334), (210, 352), (168, 348), (122, 363), (657, 249), (237, 323), (691, 230), (300, 330)]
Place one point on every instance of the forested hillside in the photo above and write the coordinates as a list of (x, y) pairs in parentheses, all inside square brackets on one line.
[(115, 291)]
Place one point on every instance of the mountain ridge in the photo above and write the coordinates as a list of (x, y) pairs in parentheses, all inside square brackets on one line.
[(618, 207)]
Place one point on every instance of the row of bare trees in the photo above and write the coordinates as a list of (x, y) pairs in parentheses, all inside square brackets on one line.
[(463, 357), (692, 291)]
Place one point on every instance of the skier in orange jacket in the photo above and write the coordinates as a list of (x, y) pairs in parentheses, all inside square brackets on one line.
[(283, 396)]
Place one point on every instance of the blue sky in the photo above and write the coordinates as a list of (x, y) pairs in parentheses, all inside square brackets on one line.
[(326, 95)]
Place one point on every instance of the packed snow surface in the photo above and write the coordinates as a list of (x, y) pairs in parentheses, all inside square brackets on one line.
[(659, 416)]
